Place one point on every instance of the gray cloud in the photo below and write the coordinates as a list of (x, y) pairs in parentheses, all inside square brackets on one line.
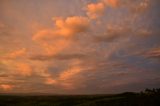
[(114, 33), (58, 57)]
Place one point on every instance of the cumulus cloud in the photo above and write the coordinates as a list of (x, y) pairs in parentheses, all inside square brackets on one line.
[(71, 25), (56, 39), (64, 27), (95, 10), (67, 61)]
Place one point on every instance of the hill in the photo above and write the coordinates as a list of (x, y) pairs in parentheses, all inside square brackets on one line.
[(147, 98)]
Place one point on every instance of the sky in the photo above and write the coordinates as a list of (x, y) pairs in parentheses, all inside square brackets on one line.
[(79, 46)]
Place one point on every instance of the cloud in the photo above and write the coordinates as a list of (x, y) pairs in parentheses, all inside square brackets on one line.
[(113, 32), (153, 53), (140, 7), (4, 29), (3, 75), (70, 73), (95, 10), (67, 79), (19, 68), (119, 32), (23, 69), (59, 57), (63, 61), (111, 3), (16, 54), (6, 87), (15, 62), (71, 25), (64, 27), (70, 56), (144, 32), (2, 26), (49, 42), (50, 81), (60, 37)]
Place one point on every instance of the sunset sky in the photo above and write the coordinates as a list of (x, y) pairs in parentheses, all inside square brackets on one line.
[(79, 46)]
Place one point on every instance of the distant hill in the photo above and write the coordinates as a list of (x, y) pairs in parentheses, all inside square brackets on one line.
[(145, 98)]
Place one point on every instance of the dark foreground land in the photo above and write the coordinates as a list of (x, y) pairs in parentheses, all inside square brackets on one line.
[(147, 98)]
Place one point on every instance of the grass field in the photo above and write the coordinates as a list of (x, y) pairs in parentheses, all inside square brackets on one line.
[(124, 99)]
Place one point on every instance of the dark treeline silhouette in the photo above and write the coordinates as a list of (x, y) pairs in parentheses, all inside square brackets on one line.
[(151, 91), (148, 97)]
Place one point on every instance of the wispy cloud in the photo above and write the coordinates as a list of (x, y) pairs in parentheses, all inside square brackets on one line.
[(59, 57), (153, 53), (6, 87)]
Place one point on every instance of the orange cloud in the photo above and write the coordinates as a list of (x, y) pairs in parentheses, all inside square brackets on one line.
[(50, 42), (64, 27), (16, 53), (44, 34), (65, 79), (2, 25), (50, 81), (54, 46), (56, 39), (71, 25), (24, 69), (111, 3), (70, 78), (95, 10), (19, 68), (6, 87), (70, 73)]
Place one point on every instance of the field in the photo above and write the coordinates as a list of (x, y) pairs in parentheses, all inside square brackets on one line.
[(124, 99)]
